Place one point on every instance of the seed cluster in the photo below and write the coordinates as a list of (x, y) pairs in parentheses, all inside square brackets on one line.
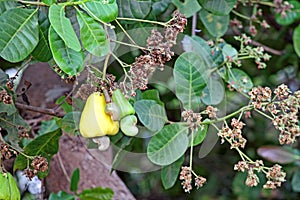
[(158, 52), (6, 152)]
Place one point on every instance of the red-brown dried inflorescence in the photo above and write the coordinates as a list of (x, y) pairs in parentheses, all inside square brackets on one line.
[(158, 52), (5, 97)]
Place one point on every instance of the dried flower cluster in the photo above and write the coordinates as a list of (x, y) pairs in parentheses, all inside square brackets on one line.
[(22, 132), (94, 84), (274, 174), (5, 97), (158, 52), (6, 152), (186, 177), (39, 164), (282, 7), (193, 119), (234, 134), (211, 112), (259, 95), (284, 111), (63, 75), (275, 177)]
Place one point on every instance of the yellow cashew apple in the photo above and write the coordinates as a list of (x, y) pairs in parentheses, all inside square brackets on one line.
[(94, 121)]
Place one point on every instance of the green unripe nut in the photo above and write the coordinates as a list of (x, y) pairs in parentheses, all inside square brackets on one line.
[(128, 125), (123, 104)]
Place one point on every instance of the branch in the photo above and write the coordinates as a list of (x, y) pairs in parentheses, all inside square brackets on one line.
[(45, 111)]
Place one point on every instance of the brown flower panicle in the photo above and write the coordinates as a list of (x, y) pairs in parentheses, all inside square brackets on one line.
[(158, 52)]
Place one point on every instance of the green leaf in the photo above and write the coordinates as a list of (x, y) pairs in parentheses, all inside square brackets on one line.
[(296, 40), (229, 51), (189, 82), (188, 7), (97, 194), (277, 154), (92, 35), (168, 145), (199, 46), (159, 6), (75, 180), (64, 105), (70, 123), (61, 195), (45, 145), (239, 80), (19, 40), (48, 126), (169, 174), (9, 109), (296, 181), (213, 93), (49, 2), (10, 123), (152, 95), (7, 5), (106, 12), (152, 115), (218, 7), (291, 16), (200, 135), (42, 50), (134, 8), (216, 25), (68, 60), (63, 27), (3, 77)]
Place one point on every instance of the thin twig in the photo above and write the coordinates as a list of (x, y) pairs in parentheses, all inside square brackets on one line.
[(46, 111), (63, 167), (194, 24)]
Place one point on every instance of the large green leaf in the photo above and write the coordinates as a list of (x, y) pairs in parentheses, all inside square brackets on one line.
[(97, 193), (9, 109), (159, 6), (45, 145), (11, 123), (290, 16), (151, 114), (239, 80), (200, 135), (92, 35), (218, 7), (134, 8), (3, 77), (19, 33), (296, 40), (152, 95), (213, 93), (216, 25), (42, 50), (63, 26), (199, 46), (188, 8), (7, 5), (168, 145), (188, 72), (106, 12), (68, 60), (169, 174)]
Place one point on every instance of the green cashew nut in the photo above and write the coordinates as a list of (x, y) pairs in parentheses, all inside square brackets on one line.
[(113, 110), (128, 125), (123, 104)]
